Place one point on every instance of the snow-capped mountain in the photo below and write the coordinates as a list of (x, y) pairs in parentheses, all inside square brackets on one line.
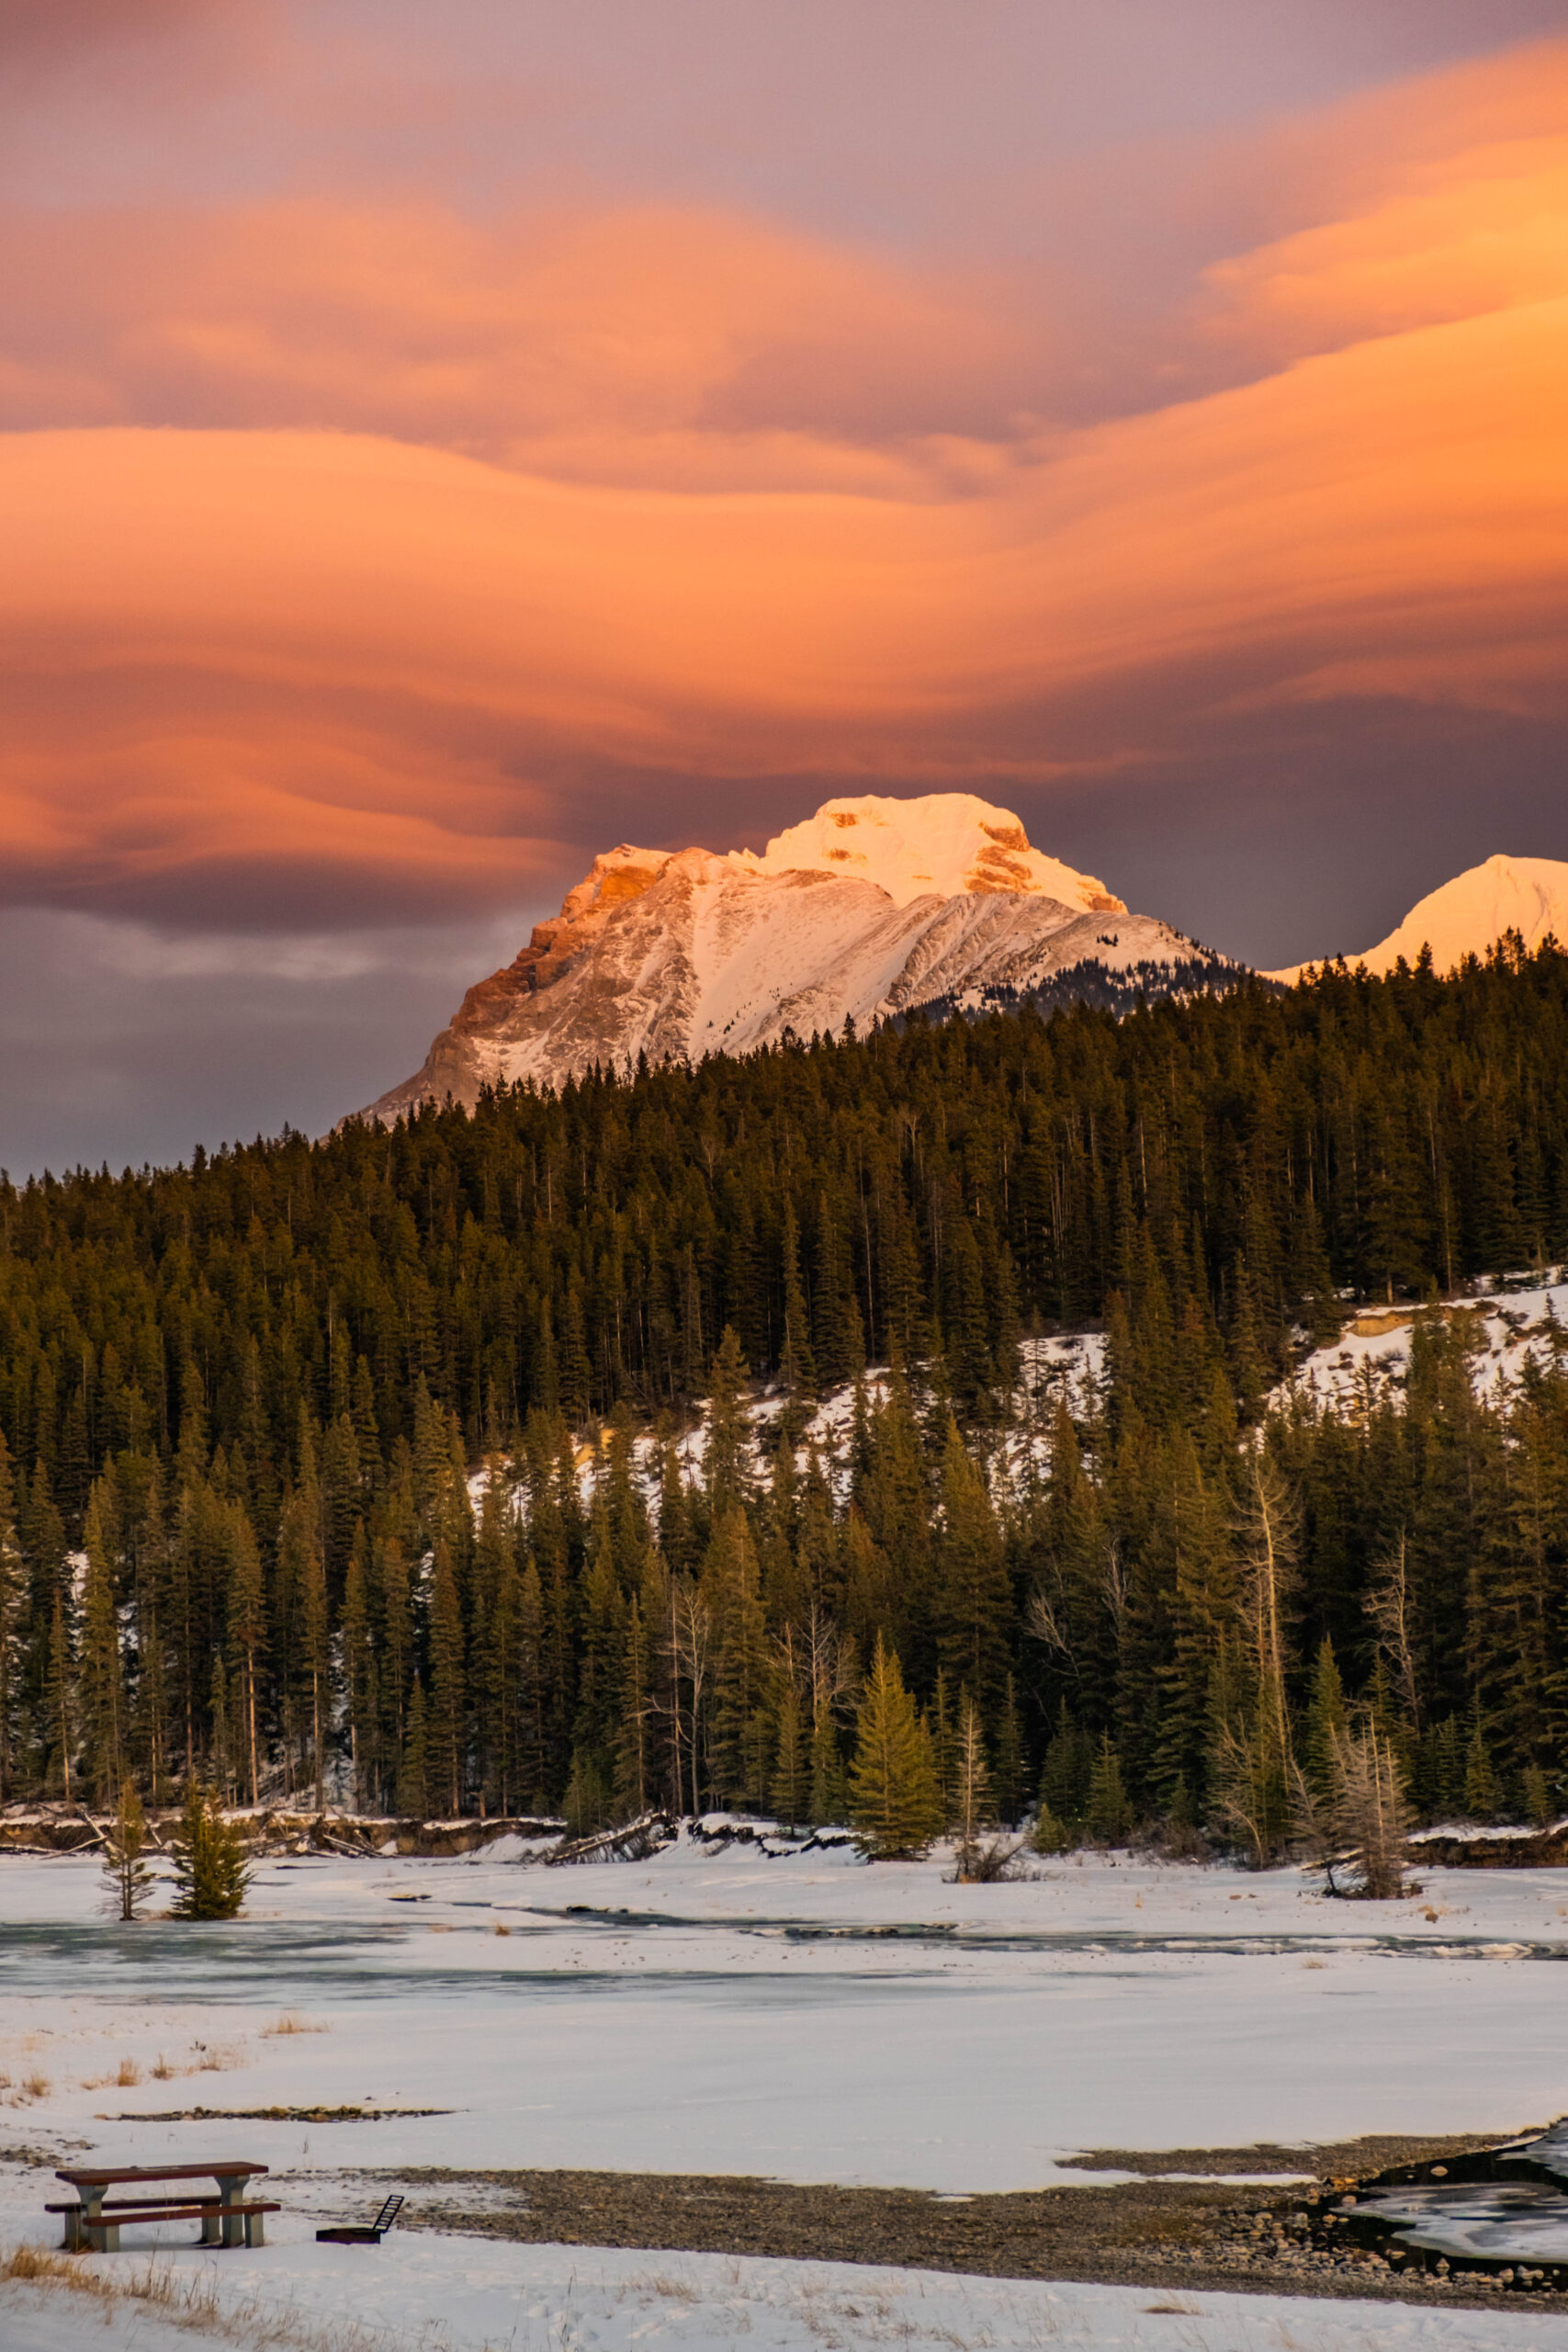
[(869, 909), (1528, 895)]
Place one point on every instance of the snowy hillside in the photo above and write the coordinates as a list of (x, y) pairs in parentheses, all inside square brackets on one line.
[(1528, 895), (1510, 1322), (869, 909)]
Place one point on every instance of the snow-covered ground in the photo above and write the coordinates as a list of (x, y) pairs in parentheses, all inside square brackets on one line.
[(1513, 1321), (813, 2019), (474, 2295), (810, 2018)]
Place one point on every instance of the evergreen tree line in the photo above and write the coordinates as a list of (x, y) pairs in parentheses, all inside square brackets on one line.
[(1123, 1624), (241, 1403)]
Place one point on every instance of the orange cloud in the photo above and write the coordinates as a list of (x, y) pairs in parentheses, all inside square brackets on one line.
[(646, 343), (436, 517)]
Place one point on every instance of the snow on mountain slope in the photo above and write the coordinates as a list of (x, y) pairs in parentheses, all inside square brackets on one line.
[(939, 901), (1528, 895)]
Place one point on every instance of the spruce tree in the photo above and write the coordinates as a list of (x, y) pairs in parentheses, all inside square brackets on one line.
[(971, 1792), (12, 1605), (790, 1788), (128, 1877), (895, 1803), (102, 1704), (414, 1781), (210, 1871), (447, 1728), (1482, 1797), (1326, 1723), (1108, 1816)]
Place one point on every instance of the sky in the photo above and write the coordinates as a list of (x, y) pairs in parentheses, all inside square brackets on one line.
[(438, 444)]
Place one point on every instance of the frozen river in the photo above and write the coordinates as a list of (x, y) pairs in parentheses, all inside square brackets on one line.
[(809, 2018)]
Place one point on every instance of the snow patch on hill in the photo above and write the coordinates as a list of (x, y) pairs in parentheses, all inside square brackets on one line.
[(1511, 1321)]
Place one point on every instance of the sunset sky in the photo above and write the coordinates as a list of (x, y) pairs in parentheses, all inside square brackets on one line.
[(437, 443)]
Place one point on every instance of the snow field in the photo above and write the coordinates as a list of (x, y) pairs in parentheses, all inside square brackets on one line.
[(436, 2294)]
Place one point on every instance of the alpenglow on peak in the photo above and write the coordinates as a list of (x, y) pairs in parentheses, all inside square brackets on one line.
[(942, 845), (869, 910)]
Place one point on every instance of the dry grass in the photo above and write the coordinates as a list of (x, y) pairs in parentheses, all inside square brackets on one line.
[(36, 2086), (162, 2070), (291, 2022), (186, 2298), (126, 2076), (501, 1930)]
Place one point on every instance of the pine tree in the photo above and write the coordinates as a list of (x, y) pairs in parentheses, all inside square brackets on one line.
[(1107, 1815), (210, 1871), (1367, 1811), (1255, 1774), (101, 1679), (972, 1786), (446, 1752), (790, 1793), (126, 1872), (895, 1803), (413, 1781)]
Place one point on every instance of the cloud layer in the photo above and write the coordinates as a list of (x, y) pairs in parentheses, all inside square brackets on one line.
[(363, 554)]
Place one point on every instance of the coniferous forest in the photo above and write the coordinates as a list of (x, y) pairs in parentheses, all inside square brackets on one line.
[(244, 1404)]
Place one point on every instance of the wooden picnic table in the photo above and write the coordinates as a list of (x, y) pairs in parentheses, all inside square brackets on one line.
[(96, 2218)]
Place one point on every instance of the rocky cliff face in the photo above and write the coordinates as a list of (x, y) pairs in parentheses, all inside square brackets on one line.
[(869, 909)]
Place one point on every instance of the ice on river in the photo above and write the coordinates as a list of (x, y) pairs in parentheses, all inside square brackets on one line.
[(812, 2019)]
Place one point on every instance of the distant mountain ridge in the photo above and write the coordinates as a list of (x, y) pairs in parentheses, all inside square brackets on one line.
[(1463, 917), (871, 908)]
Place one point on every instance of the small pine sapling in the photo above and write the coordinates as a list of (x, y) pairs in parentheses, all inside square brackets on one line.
[(210, 1871), (981, 1860), (127, 1878)]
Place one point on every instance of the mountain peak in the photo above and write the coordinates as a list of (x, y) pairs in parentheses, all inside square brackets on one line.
[(942, 845), (1463, 918), (864, 912)]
